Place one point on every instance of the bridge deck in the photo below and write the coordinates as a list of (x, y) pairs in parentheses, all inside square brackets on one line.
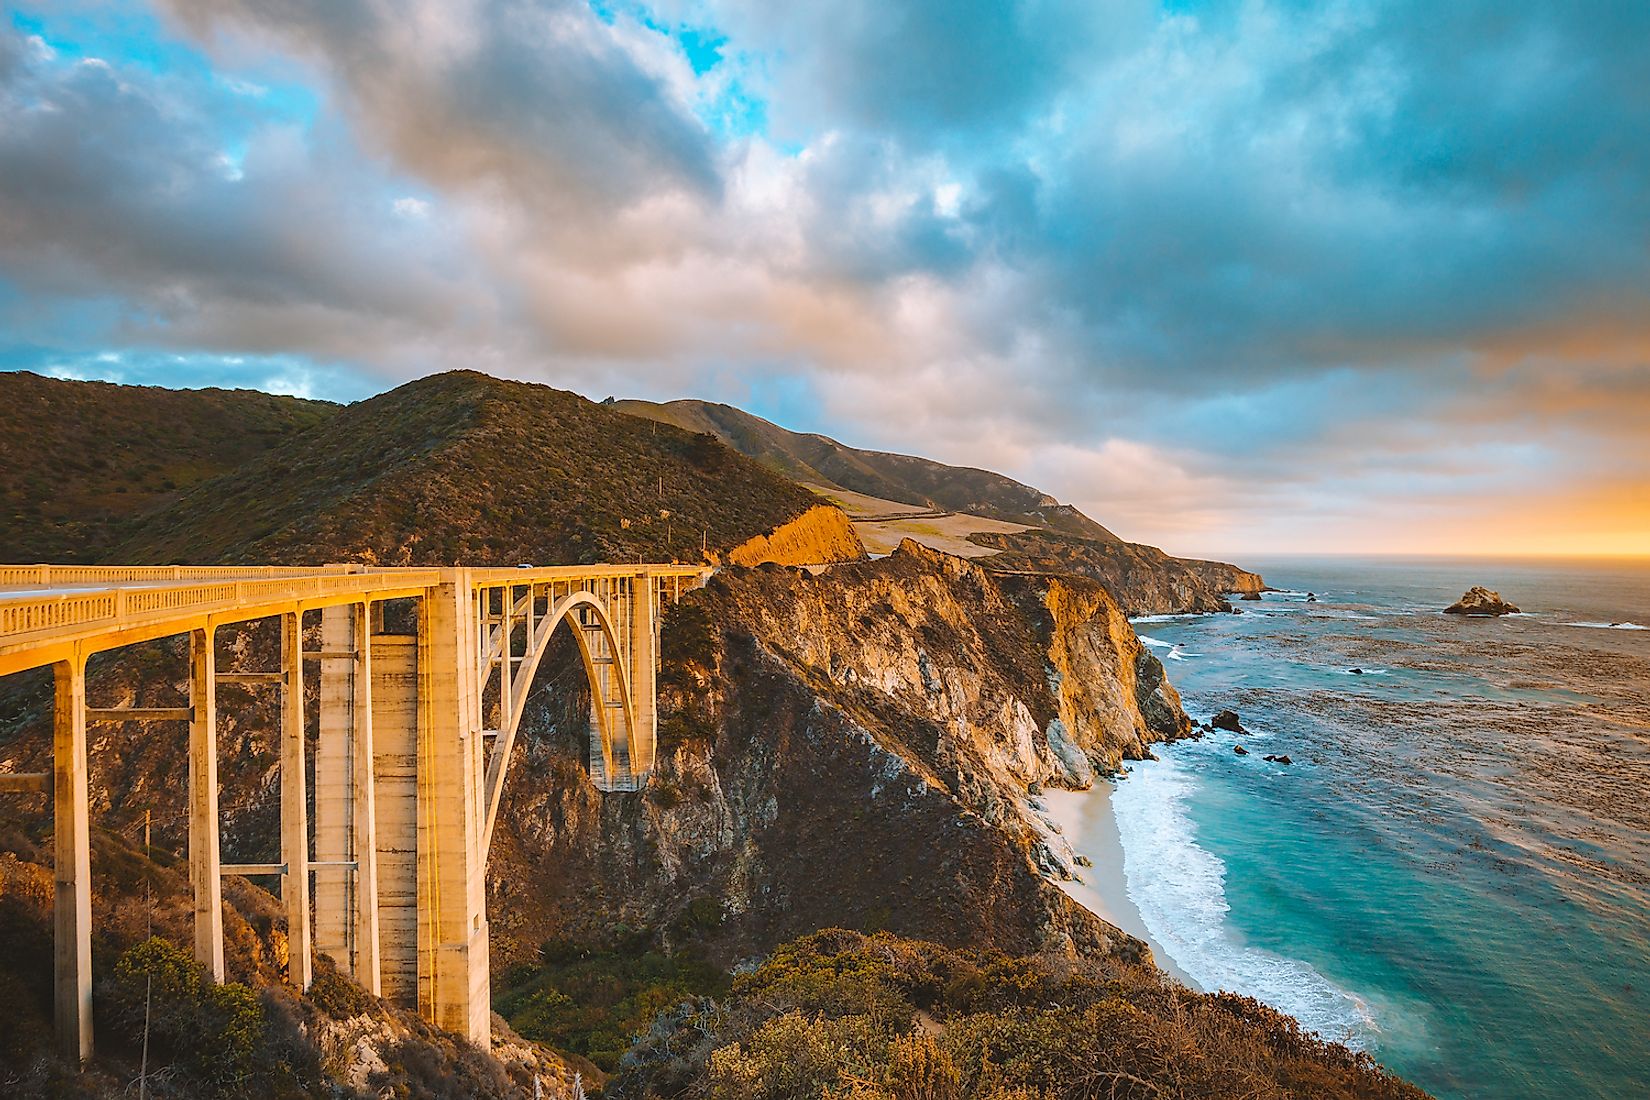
[(50, 611)]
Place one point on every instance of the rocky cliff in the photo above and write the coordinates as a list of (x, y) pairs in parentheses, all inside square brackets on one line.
[(860, 748), (820, 535)]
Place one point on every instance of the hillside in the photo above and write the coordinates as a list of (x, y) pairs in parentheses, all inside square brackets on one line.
[(82, 462), (861, 748), (466, 468), (1015, 527), (820, 460)]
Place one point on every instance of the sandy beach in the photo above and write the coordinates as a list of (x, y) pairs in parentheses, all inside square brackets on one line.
[(1085, 819)]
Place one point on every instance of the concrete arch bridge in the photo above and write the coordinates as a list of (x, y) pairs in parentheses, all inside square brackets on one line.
[(415, 731)]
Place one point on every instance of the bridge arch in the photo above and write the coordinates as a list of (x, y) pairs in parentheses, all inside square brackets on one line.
[(618, 740)]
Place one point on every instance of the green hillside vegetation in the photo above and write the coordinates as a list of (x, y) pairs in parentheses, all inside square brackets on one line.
[(82, 462), (593, 1001), (820, 460), (839, 1015), (462, 468)]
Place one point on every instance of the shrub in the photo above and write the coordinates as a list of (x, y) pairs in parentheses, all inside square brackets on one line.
[(830, 1017), (212, 1031)]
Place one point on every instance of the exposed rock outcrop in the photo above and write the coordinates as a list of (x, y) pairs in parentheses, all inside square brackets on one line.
[(821, 535), (1481, 601)]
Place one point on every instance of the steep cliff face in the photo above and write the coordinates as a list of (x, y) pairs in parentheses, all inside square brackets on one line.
[(859, 748), (821, 535)]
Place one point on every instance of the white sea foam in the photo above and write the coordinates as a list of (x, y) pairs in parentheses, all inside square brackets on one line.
[(1610, 626), (1161, 618), (1179, 889), (1175, 650)]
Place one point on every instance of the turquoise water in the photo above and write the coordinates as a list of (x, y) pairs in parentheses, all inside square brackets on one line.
[(1454, 873)]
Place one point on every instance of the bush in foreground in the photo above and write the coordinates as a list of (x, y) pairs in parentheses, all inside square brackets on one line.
[(844, 1016)]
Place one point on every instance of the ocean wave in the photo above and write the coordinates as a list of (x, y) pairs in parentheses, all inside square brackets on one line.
[(1610, 626), (1175, 651), (1163, 618), (1179, 889)]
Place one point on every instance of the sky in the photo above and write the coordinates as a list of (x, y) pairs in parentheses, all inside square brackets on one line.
[(1233, 278)]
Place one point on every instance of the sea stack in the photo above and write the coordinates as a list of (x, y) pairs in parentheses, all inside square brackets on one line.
[(1479, 600)]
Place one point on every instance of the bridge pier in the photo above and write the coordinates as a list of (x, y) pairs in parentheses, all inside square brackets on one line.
[(205, 869), (346, 834), (333, 794), (452, 927), (71, 827), (294, 805), (643, 672)]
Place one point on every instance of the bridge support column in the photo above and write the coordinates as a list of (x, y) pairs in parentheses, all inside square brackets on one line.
[(204, 872), (333, 796), (643, 673), (294, 804), (364, 811), (346, 898), (453, 985), (72, 860)]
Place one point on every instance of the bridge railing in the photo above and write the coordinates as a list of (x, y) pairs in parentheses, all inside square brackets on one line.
[(20, 576), (31, 620)]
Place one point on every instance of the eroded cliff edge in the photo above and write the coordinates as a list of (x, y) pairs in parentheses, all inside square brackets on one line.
[(860, 748)]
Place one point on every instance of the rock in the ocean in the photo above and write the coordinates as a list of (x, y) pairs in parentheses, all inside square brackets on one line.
[(1227, 720), (1251, 596), (1240, 750), (1311, 597), (1356, 671), (1479, 600), (1281, 759)]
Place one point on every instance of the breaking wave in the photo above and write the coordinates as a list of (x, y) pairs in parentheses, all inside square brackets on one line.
[(1179, 889)]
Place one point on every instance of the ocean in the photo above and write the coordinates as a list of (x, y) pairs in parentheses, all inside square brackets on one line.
[(1454, 871)]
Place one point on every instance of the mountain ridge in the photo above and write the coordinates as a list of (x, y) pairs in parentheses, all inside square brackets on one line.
[(1060, 539)]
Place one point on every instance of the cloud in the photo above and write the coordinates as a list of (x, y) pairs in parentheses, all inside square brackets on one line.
[(569, 113), (1220, 271)]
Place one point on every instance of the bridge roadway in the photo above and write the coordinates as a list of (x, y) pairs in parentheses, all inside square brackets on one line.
[(414, 732)]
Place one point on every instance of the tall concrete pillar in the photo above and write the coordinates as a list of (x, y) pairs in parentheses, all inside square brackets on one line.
[(395, 725), (71, 829), (204, 873), (334, 797), (364, 815), (643, 672), (294, 805), (453, 990)]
